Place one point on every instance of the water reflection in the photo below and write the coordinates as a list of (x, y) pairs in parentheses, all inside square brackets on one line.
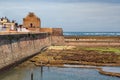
[(38, 73), (55, 73)]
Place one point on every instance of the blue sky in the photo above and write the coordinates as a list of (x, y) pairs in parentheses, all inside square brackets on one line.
[(71, 15)]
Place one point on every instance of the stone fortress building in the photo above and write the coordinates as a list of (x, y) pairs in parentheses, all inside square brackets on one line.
[(33, 24), (31, 21)]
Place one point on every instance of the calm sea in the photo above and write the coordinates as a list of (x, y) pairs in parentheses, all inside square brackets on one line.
[(91, 33)]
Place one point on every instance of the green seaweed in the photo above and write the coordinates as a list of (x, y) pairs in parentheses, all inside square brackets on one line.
[(105, 49)]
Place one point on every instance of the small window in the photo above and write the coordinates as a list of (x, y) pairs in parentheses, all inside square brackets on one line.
[(31, 25)]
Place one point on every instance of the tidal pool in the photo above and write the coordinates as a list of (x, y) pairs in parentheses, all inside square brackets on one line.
[(111, 69), (54, 73), (104, 68)]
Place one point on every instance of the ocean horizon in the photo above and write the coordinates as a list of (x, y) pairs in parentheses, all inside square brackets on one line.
[(91, 33)]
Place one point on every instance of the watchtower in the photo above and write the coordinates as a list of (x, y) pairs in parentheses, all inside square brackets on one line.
[(31, 21)]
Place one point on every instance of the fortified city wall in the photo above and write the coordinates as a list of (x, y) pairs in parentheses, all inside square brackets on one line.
[(56, 35), (15, 47)]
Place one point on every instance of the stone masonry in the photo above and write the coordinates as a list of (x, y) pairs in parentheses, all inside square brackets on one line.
[(19, 46), (31, 21)]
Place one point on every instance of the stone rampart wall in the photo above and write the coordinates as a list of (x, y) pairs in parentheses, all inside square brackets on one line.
[(57, 32), (57, 40), (48, 30), (15, 47), (57, 37)]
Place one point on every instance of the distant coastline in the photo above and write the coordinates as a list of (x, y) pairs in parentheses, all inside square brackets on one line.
[(91, 33)]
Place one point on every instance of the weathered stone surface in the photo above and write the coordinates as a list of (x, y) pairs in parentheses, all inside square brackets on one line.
[(57, 40), (17, 46), (23, 46), (31, 21)]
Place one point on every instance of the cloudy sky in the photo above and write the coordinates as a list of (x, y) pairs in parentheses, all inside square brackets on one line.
[(71, 15)]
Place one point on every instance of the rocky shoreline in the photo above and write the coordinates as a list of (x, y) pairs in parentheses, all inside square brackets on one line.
[(72, 55)]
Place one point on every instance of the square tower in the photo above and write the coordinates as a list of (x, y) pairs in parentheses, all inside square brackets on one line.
[(31, 21)]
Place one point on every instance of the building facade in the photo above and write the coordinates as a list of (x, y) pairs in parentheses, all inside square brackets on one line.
[(6, 25), (31, 21)]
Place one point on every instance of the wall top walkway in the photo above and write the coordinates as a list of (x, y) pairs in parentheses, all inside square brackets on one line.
[(15, 33)]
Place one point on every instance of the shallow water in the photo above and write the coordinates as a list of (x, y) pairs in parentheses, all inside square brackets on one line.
[(111, 69), (107, 69), (55, 73)]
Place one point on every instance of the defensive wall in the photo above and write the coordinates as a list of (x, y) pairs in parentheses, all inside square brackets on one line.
[(17, 46), (56, 35)]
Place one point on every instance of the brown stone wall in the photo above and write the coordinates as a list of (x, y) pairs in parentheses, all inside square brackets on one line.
[(57, 32), (34, 29), (57, 40), (57, 37), (53, 31), (48, 30), (14, 48), (31, 21)]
